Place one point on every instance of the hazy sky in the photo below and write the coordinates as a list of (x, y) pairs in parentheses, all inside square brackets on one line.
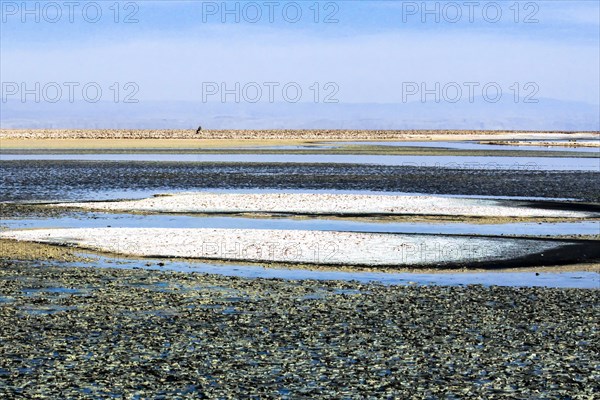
[(369, 51)]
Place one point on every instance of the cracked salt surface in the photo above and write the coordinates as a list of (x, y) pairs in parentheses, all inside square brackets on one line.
[(287, 246), (331, 204)]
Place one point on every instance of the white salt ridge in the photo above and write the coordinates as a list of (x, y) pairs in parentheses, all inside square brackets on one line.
[(322, 203), (290, 246)]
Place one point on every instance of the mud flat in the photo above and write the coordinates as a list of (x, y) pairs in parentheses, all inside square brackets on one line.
[(81, 180), (333, 204), (312, 247)]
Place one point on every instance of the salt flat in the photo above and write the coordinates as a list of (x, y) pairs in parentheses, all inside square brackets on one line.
[(329, 204), (310, 247)]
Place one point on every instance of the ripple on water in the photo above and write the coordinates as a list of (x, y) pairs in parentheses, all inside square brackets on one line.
[(454, 162)]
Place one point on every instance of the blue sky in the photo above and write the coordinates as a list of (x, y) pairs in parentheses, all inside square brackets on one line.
[(373, 49)]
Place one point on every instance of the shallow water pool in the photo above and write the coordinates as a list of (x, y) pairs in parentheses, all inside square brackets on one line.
[(103, 220), (577, 279), (467, 145)]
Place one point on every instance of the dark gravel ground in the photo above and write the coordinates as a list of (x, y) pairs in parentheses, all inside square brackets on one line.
[(105, 333), (45, 180)]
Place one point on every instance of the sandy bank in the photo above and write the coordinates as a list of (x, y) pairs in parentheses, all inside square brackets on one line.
[(281, 134), (328, 204)]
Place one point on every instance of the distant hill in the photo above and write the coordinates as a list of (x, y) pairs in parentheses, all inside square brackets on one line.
[(547, 114)]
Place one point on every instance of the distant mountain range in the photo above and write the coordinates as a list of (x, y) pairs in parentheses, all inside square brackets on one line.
[(547, 114)]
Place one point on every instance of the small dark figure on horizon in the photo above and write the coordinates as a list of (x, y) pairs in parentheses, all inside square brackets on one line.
[(198, 130)]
